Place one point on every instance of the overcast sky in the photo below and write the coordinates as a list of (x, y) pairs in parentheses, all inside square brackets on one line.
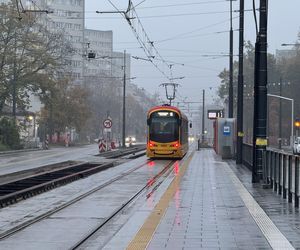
[(206, 24)]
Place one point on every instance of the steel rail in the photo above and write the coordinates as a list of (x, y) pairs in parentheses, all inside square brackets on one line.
[(28, 186), (123, 206), (16, 191), (20, 227)]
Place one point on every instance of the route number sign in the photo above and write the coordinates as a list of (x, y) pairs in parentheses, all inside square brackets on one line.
[(107, 123)]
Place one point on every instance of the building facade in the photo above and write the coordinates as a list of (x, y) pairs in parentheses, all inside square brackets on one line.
[(100, 43)]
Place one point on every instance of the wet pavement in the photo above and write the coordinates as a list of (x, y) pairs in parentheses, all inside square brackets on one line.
[(212, 209), (33, 159), (285, 216), (204, 203), (207, 212), (64, 228)]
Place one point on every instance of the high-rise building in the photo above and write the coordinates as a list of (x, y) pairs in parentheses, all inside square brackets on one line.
[(100, 43), (68, 16), (118, 64)]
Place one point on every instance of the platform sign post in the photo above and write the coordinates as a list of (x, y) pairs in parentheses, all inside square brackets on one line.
[(107, 124)]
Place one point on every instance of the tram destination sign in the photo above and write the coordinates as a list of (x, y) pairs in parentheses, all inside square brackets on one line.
[(215, 113)]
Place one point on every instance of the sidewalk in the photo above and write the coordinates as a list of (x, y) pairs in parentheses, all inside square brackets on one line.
[(19, 151), (212, 209)]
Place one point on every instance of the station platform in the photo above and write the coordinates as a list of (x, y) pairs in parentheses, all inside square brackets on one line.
[(210, 204)]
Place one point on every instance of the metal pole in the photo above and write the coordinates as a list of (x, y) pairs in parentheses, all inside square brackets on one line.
[(240, 132), (14, 91), (230, 94), (51, 119), (203, 114), (280, 120), (124, 103), (292, 132), (260, 90)]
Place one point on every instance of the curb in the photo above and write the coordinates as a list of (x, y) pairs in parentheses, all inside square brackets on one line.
[(18, 151)]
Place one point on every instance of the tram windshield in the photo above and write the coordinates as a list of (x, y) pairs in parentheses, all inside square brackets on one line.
[(164, 126)]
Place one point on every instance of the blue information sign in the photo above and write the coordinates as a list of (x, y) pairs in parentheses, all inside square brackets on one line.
[(226, 130)]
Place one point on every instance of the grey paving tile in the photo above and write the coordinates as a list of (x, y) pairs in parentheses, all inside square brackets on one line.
[(212, 215)]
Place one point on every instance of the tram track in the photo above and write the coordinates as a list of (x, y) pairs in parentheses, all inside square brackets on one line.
[(47, 214), (149, 184), (52, 176), (122, 152)]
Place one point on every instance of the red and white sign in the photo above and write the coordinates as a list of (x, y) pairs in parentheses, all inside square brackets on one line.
[(102, 146), (107, 123)]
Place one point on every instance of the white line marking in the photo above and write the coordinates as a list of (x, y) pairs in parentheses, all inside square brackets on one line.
[(273, 235)]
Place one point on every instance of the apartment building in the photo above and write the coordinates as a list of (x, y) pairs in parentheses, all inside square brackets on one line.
[(100, 43)]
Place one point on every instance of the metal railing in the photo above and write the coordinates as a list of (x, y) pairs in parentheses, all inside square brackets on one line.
[(281, 171)]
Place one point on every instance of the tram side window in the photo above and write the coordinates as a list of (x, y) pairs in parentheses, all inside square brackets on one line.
[(184, 132)]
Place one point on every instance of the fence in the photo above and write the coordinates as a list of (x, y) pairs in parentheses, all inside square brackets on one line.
[(280, 170)]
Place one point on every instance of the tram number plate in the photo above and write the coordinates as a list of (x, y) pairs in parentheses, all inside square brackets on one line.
[(163, 146)]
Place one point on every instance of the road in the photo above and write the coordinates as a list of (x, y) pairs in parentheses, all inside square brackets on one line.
[(28, 160)]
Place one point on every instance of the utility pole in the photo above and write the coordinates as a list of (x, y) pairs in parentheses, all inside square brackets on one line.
[(230, 94), (124, 102), (203, 115), (240, 112), (279, 116), (260, 96), (14, 90)]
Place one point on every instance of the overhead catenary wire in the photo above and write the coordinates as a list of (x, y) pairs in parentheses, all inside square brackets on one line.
[(182, 4), (198, 29), (145, 42)]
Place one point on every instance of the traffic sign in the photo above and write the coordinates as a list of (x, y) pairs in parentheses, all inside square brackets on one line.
[(107, 123), (226, 130)]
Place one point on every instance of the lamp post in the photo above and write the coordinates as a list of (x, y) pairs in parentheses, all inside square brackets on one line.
[(260, 96), (124, 102), (292, 114), (240, 113), (124, 91), (230, 94), (50, 117)]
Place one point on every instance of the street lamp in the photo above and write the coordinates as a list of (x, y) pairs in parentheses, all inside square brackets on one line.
[(292, 119), (290, 44)]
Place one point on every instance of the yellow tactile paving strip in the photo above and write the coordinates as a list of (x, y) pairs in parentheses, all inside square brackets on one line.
[(144, 235)]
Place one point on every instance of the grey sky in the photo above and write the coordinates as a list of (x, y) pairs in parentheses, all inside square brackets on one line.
[(210, 18)]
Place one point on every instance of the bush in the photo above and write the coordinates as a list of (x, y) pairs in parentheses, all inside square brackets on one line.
[(9, 133), (3, 147)]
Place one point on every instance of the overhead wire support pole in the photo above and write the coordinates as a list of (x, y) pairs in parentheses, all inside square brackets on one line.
[(240, 97), (124, 102), (203, 115), (260, 97), (230, 94)]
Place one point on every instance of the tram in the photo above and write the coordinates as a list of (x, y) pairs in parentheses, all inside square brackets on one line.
[(167, 132)]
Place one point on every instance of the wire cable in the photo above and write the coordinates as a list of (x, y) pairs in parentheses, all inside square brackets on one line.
[(182, 4)]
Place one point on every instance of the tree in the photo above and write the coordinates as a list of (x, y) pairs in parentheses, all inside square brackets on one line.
[(273, 76), (9, 134), (29, 54), (65, 106)]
